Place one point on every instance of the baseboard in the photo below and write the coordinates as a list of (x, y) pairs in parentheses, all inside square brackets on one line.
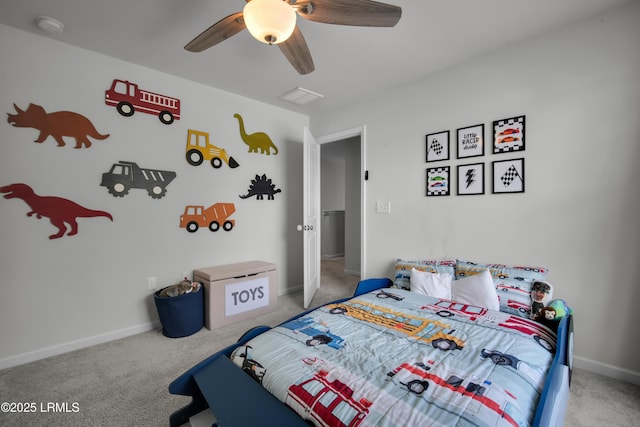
[(351, 272), (292, 290), (607, 370), (32, 356)]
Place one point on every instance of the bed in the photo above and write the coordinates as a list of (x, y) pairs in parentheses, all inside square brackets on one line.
[(388, 356)]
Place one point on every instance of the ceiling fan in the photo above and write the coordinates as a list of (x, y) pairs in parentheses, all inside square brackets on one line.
[(274, 22)]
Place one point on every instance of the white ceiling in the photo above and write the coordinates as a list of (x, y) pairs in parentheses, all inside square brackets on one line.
[(351, 62)]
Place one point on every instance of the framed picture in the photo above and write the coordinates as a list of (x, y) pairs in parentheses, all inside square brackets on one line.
[(471, 141), (438, 181), (471, 179), (508, 135), (508, 176), (438, 146)]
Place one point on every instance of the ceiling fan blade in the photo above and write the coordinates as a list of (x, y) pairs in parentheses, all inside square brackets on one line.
[(365, 13), (295, 49), (218, 32)]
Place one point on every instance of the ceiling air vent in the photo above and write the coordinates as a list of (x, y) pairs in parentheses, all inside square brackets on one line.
[(300, 96)]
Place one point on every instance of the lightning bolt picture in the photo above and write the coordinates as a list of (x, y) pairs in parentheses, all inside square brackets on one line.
[(471, 177)]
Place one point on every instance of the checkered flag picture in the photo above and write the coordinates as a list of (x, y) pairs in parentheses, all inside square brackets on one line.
[(511, 174), (436, 147)]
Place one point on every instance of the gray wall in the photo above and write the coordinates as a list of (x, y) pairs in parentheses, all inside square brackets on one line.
[(70, 292), (332, 176), (580, 91)]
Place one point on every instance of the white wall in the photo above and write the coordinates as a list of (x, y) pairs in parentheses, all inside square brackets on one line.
[(580, 91), (69, 292)]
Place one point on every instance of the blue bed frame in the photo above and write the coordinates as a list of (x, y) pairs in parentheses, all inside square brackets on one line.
[(236, 400)]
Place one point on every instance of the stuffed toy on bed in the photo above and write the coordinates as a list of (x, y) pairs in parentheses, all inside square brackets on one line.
[(557, 309), (553, 312), (541, 293)]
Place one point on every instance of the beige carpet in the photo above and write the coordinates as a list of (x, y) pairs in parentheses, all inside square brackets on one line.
[(124, 382)]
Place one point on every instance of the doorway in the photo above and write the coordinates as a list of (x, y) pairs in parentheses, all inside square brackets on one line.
[(354, 212), (341, 214)]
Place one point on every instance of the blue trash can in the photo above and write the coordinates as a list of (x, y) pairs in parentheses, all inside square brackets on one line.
[(181, 315)]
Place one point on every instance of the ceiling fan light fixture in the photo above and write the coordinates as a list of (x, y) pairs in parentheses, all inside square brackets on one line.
[(269, 21)]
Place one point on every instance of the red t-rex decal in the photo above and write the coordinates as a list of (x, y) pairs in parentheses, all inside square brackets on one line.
[(58, 210)]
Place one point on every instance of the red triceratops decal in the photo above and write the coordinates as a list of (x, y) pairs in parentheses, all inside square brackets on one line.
[(56, 124), (58, 210)]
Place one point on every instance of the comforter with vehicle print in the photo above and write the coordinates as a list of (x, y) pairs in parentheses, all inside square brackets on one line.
[(392, 357)]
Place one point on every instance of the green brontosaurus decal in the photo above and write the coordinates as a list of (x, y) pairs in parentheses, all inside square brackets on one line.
[(256, 141)]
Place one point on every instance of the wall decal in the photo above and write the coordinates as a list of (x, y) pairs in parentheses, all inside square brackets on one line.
[(126, 175), (261, 186), (57, 124), (256, 141), (213, 217), (128, 98), (438, 181), (58, 210), (199, 148)]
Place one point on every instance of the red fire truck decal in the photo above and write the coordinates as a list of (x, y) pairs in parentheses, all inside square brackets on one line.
[(327, 403), (128, 98)]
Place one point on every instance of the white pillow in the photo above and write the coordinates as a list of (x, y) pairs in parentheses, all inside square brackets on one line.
[(478, 290), (433, 284)]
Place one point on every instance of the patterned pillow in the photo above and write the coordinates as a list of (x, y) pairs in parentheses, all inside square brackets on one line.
[(513, 284), (402, 271)]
